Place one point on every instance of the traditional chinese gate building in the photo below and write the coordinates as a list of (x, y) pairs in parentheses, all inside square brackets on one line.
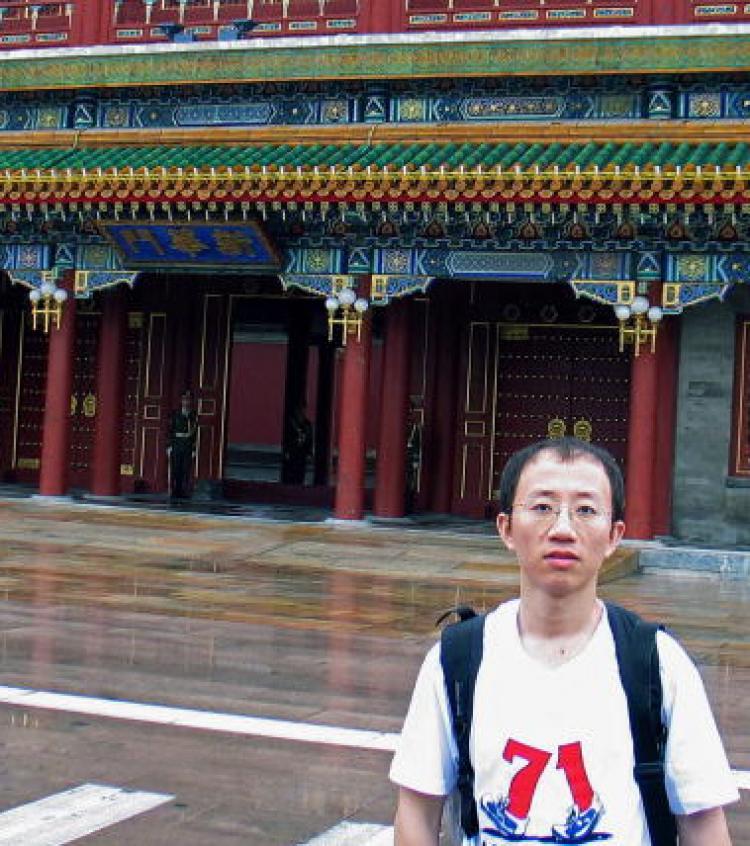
[(436, 250)]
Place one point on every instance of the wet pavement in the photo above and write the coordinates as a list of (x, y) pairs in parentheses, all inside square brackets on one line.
[(297, 621)]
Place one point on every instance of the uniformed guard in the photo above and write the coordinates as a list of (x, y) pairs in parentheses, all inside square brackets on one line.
[(181, 448), (298, 445)]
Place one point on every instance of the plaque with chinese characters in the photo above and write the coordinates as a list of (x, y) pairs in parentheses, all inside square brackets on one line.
[(240, 246)]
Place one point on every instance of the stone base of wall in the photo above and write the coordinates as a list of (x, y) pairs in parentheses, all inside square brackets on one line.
[(724, 563)]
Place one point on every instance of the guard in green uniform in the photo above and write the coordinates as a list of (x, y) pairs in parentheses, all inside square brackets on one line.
[(181, 448)]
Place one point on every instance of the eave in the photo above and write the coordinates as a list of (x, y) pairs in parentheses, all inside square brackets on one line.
[(587, 162), (558, 131), (529, 173)]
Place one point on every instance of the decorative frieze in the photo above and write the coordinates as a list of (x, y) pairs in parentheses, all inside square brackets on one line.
[(26, 257), (419, 101)]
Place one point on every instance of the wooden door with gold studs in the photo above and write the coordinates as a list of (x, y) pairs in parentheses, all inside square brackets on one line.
[(135, 344), (33, 349), (533, 388), (11, 323), (522, 383), (600, 390), (559, 380), (83, 400)]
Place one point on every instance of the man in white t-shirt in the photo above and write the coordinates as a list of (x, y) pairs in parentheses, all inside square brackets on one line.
[(550, 742)]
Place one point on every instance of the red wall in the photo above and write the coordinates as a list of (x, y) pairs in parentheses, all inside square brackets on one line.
[(93, 21), (256, 392)]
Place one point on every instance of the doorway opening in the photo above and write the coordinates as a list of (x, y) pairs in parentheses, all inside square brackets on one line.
[(279, 404)]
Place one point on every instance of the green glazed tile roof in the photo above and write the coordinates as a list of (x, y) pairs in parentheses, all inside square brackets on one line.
[(526, 157), (606, 172)]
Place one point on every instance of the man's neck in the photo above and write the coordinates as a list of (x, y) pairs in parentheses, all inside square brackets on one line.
[(554, 630), (542, 616)]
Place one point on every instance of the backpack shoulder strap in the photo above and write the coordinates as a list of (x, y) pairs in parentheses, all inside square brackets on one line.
[(638, 664), (461, 646)]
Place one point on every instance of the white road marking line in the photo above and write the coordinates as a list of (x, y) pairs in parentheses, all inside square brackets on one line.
[(65, 817), (213, 721), (206, 720), (354, 834)]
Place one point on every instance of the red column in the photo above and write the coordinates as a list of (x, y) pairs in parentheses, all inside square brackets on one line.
[(350, 483), (666, 421), (110, 381), (53, 478), (639, 487), (390, 484)]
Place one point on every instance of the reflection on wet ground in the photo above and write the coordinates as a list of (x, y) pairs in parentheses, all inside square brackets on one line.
[(302, 622)]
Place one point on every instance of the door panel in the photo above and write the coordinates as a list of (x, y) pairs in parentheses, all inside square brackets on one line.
[(151, 452), (134, 347), (33, 347), (472, 489), (600, 393), (83, 399), (211, 387), (559, 381), (11, 322), (522, 383), (533, 388)]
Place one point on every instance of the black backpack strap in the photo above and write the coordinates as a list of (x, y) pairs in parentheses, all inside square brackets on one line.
[(461, 647), (638, 663)]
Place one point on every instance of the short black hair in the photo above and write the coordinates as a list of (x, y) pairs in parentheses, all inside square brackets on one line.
[(567, 450)]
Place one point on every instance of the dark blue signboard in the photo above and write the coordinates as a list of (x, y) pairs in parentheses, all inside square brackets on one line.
[(199, 246)]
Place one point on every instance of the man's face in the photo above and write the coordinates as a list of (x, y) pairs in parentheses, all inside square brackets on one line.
[(561, 527), (186, 403)]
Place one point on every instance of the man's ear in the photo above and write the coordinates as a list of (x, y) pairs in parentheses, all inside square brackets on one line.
[(503, 524), (615, 536)]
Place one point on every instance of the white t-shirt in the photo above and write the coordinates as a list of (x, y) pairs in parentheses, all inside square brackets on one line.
[(546, 739)]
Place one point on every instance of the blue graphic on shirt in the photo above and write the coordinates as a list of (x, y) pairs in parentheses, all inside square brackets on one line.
[(510, 815), (543, 838), (577, 828)]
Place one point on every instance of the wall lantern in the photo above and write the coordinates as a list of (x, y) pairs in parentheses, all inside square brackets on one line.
[(345, 309), (639, 323), (46, 304)]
